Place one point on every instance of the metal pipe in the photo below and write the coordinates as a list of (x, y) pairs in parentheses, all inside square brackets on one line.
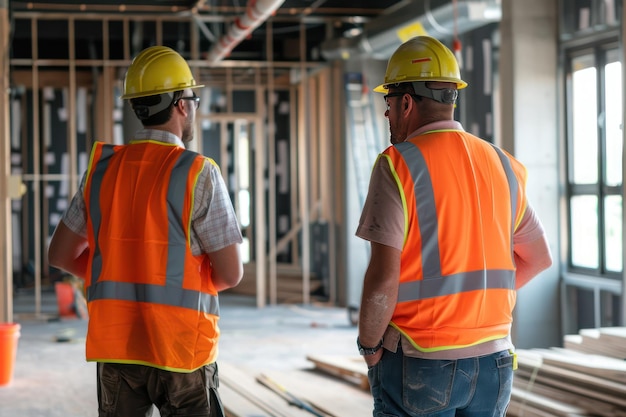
[(257, 12)]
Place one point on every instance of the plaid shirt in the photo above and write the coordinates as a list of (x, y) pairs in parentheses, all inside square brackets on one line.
[(214, 224)]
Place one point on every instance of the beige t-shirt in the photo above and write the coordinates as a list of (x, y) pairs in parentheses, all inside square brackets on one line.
[(382, 221)]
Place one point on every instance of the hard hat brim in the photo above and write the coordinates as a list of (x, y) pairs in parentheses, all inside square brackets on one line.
[(157, 92)]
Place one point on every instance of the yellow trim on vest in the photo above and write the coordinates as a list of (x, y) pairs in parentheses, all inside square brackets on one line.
[(214, 164), (91, 156), (402, 196), (440, 348), (165, 368)]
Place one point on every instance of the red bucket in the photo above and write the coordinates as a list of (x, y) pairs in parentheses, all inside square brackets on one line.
[(9, 335), (65, 299)]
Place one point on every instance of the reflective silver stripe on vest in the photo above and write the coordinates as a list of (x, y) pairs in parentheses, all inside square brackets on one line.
[(176, 191), (157, 294), (456, 283), (171, 293), (434, 284), (94, 204), (513, 187), (425, 206)]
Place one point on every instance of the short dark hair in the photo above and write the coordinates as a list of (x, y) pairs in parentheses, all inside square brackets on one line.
[(142, 105)]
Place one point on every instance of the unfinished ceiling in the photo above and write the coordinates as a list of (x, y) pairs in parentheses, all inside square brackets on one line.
[(175, 21), (309, 30)]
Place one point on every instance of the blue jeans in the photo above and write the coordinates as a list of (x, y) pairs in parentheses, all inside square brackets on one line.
[(409, 387)]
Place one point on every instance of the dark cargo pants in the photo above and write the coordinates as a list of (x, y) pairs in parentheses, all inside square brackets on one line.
[(126, 390)]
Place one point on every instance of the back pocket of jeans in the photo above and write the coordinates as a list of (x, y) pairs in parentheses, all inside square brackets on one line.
[(427, 384)]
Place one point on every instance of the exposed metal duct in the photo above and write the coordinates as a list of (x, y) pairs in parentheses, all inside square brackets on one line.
[(381, 36), (257, 12)]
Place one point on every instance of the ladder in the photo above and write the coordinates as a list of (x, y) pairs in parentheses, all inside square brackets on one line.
[(364, 133)]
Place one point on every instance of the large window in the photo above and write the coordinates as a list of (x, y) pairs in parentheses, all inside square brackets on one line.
[(595, 162)]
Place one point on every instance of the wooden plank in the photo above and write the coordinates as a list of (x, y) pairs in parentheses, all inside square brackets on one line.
[(605, 342), (335, 396), (243, 383), (608, 341), (291, 398), (571, 381), (563, 395), (237, 404), (573, 388), (591, 364), (553, 407), (352, 369)]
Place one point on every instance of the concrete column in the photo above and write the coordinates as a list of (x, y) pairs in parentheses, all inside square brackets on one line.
[(623, 60), (530, 131), (6, 260)]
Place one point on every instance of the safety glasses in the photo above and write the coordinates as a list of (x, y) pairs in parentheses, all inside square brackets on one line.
[(193, 98)]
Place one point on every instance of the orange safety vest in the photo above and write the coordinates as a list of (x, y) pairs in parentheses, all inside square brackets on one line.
[(463, 199), (150, 300)]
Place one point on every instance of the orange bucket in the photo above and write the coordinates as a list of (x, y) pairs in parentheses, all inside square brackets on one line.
[(9, 334), (65, 298)]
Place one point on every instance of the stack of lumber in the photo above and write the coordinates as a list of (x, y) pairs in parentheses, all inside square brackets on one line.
[(586, 378), (288, 287), (291, 393), (608, 341)]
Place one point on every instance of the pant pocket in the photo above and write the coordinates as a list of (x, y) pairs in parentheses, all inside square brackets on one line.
[(108, 387), (427, 384)]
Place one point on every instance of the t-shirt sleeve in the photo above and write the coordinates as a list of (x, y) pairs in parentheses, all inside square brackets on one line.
[(75, 217), (214, 222), (529, 229), (383, 216)]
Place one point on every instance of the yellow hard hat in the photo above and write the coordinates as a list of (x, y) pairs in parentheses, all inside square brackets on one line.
[(157, 70), (422, 58)]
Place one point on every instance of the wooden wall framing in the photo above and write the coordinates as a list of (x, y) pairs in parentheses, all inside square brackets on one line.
[(314, 139)]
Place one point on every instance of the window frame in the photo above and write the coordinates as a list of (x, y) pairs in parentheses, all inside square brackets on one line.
[(600, 50)]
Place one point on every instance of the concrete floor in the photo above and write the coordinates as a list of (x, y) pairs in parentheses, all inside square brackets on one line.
[(52, 378)]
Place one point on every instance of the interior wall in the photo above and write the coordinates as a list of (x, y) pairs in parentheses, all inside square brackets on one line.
[(529, 130), (357, 249)]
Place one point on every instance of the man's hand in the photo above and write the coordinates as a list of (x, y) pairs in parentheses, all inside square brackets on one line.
[(372, 360)]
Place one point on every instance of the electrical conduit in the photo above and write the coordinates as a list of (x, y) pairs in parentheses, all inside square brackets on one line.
[(257, 12)]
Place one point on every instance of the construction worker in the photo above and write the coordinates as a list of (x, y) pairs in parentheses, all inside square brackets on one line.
[(453, 237), (153, 233)]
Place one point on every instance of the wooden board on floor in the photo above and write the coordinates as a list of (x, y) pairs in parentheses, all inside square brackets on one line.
[(540, 403), (590, 364), (241, 383), (238, 405), (542, 386), (335, 396), (351, 368)]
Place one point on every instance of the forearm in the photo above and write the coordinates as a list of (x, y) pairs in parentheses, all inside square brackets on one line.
[(530, 259), (377, 306), (77, 266), (227, 267), (380, 294), (68, 251)]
